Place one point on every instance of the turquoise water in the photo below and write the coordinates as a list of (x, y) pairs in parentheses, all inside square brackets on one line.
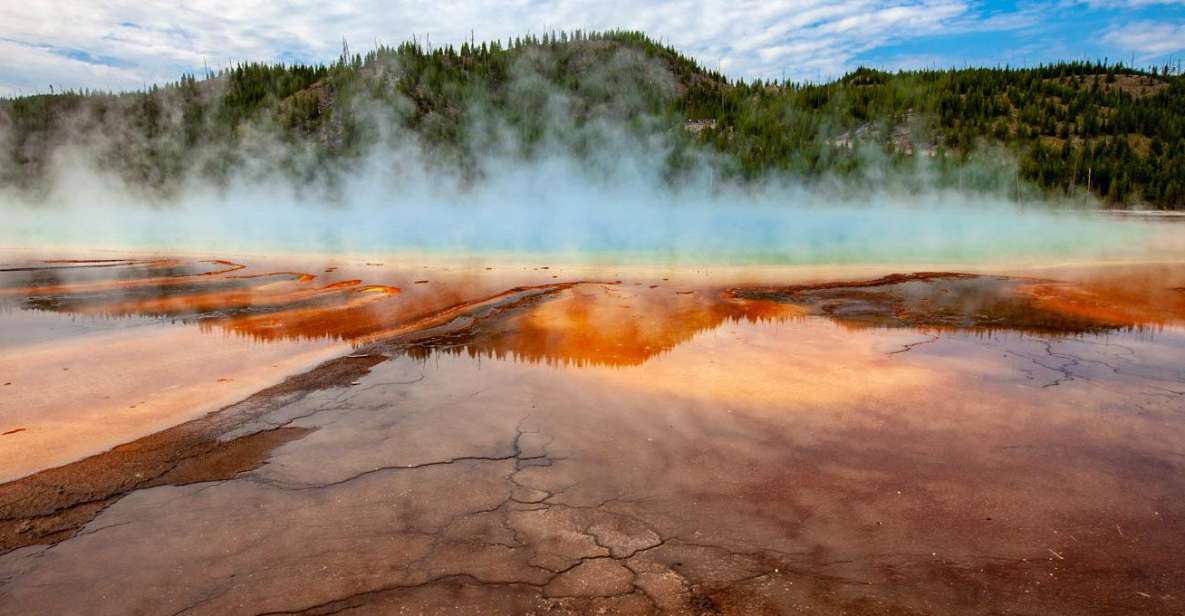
[(689, 233)]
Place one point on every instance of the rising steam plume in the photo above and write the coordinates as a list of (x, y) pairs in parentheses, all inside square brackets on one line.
[(595, 181)]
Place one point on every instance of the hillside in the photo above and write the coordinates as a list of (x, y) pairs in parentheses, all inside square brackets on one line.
[(1064, 129)]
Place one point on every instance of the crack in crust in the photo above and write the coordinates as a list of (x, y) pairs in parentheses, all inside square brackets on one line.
[(53, 505)]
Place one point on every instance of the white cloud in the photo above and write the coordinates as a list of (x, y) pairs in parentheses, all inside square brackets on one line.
[(155, 40), (1128, 4), (1148, 39), (55, 69)]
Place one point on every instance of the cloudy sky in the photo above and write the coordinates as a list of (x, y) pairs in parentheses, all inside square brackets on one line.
[(121, 44)]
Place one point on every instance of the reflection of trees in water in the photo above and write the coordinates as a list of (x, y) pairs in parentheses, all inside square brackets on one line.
[(587, 329), (586, 324)]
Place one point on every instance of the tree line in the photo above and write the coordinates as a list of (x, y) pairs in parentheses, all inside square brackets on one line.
[(1070, 129)]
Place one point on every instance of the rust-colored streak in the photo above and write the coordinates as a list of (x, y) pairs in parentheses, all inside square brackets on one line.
[(229, 266), (342, 284), (203, 303), (79, 264), (88, 261), (1145, 295), (271, 305), (347, 317), (613, 323), (297, 276), (380, 289), (953, 300), (128, 283)]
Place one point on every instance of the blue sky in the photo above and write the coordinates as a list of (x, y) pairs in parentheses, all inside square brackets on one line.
[(123, 45)]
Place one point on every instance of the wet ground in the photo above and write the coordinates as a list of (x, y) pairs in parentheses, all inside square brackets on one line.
[(542, 439)]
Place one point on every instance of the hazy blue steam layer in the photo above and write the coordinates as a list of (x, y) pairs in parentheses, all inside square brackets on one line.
[(553, 209), (616, 201)]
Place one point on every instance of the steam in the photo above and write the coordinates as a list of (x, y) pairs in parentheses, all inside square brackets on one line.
[(598, 189)]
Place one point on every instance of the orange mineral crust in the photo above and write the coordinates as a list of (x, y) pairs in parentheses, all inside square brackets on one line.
[(389, 436)]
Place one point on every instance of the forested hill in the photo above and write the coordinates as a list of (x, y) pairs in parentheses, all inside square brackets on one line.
[(1064, 129)]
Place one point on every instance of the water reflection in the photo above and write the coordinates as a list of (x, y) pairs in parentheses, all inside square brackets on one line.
[(607, 325), (744, 449), (1129, 299), (620, 323)]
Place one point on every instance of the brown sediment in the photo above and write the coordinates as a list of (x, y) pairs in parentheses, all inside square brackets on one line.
[(260, 296), (778, 464), (343, 283), (500, 487), (230, 266), (1119, 294), (954, 300), (282, 295), (52, 505), (89, 261), (299, 276), (891, 279), (251, 304), (128, 283), (131, 397), (923, 299), (74, 264)]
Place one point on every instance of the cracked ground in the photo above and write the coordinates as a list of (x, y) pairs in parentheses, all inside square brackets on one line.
[(754, 466)]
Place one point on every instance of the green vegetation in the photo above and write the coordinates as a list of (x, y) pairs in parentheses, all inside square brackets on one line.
[(1065, 129)]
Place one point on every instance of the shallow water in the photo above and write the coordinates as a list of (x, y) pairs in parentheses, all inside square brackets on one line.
[(541, 437)]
